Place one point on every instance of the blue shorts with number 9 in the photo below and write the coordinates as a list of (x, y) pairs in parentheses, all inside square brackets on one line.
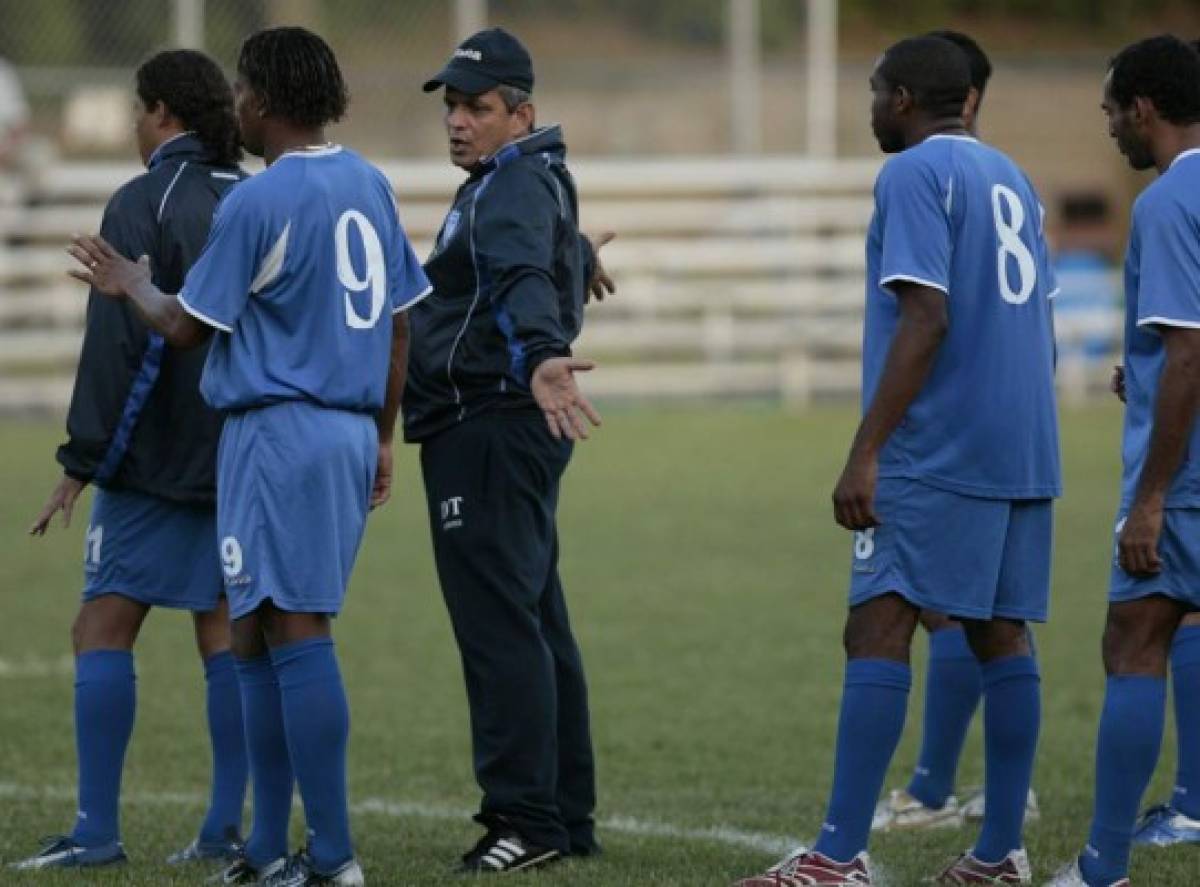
[(293, 489), (959, 555)]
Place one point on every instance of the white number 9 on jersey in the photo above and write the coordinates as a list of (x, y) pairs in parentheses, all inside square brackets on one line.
[(375, 277), (1011, 244)]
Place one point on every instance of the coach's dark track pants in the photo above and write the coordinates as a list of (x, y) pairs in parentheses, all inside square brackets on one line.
[(492, 485)]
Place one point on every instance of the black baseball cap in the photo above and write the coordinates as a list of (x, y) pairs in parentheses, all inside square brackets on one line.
[(484, 61)]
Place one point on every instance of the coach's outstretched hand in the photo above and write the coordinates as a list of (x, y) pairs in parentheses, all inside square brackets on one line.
[(554, 388), (105, 269), (600, 284), (62, 499), (854, 495)]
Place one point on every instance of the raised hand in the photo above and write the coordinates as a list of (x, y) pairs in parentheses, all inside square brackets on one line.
[(104, 268)]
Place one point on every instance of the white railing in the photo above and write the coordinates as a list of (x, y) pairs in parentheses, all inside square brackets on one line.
[(737, 278)]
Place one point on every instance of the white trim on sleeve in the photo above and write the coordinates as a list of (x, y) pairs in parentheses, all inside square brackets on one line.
[(909, 278), (421, 297), (200, 316), (1170, 321), (1054, 292)]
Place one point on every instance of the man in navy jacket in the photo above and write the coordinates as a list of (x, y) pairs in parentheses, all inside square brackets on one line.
[(492, 399)]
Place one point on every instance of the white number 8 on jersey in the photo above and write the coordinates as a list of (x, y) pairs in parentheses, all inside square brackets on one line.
[(375, 277), (1011, 244)]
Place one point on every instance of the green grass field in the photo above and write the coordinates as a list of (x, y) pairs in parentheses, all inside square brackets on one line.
[(707, 581)]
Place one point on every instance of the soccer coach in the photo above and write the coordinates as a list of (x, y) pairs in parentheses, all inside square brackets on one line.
[(493, 402)]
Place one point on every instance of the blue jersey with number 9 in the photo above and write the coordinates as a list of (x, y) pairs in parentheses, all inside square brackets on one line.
[(957, 215), (304, 267)]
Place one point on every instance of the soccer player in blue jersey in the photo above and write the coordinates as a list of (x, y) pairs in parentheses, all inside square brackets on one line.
[(953, 684), (1152, 102), (949, 482), (1177, 821), (301, 286), (140, 434)]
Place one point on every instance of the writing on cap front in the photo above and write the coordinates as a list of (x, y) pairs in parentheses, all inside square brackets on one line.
[(484, 61)]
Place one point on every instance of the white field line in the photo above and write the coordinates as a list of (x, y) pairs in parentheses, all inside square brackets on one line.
[(31, 667), (627, 825)]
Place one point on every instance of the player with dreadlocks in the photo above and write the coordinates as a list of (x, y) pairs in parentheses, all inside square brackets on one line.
[(310, 384)]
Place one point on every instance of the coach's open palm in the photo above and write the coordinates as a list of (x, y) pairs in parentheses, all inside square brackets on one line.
[(556, 392), (104, 268)]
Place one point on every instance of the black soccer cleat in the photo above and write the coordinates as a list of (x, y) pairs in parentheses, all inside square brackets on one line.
[(503, 850)]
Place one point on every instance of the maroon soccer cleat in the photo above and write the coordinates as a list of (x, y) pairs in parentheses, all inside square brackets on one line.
[(1013, 869), (807, 868)]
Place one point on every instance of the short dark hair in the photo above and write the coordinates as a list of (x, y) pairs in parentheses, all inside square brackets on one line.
[(296, 74), (977, 60), (1163, 69), (934, 70), (193, 89)]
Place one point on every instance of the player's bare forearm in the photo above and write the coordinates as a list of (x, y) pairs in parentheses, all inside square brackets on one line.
[(397, 375), (163, 314), (919, 334), (1175, 409)]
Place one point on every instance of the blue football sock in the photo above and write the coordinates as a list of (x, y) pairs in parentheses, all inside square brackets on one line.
[(1012, 715), (318, 730), (874, 699), (952, 691), (1185, 680), (1131, 728), (228, 740), (270, 766), (105, 702)]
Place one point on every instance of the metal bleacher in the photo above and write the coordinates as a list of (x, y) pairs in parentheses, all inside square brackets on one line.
[(736, 277)]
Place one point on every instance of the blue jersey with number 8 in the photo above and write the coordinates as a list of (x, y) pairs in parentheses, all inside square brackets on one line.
[(304, 267), (957, 215)]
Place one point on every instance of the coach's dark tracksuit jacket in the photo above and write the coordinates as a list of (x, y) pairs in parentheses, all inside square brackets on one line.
[(136, 420), (509, 272)]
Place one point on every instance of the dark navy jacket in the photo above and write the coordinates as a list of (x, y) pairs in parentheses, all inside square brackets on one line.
[(136, 420), (509, 273)]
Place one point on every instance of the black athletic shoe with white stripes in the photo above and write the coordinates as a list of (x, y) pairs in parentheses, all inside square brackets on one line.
[(502, 850)]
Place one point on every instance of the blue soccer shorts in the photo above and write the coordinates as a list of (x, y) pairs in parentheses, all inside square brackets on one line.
[(1179, 551), (293, 490), (151, 550), (964, 556)]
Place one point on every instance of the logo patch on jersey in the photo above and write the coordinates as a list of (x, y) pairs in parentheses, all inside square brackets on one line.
[(451, 510), (449, 227)]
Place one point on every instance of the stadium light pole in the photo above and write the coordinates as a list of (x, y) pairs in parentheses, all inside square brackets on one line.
[(822, 78), (745, 76), (469, 16), (189, 24)]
